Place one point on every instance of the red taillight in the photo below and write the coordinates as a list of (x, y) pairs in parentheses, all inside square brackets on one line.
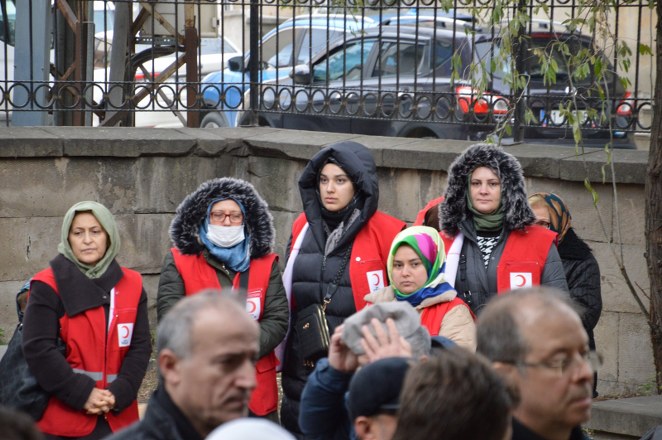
[(140, 76), (481, 102), (625, 106)]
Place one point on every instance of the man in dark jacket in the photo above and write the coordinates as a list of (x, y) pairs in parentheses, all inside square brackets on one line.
[(535, 339), (207, 346)]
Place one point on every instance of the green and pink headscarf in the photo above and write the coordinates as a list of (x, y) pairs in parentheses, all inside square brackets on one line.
[(427, 244)]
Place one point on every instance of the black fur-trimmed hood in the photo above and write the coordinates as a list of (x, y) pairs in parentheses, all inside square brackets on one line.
[(193, 210), (453, 210)]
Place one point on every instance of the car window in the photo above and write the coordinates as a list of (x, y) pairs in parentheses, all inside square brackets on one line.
[(345, 63), (314, 42), (282, 41), (442, 57), (398, 58)]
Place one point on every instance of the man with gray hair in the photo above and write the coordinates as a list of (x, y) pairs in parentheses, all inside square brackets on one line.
[(535, 339), (207, 348)]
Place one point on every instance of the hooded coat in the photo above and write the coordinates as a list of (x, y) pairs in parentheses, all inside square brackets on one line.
[(259, 227), (312, 271), (474, 282)]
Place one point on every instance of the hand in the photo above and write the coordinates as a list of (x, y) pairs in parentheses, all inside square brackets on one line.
[(383, 343), (341, 357), (99, 402)]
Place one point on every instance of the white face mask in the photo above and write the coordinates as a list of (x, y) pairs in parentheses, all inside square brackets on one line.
[(225, 236)]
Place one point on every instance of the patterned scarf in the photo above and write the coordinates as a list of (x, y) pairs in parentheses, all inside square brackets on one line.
[(427, 244), (559, 216)]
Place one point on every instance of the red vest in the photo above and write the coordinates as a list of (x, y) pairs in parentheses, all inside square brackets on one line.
[(432, 317), (523, 259), (90, 351), (199, 275), (367, 263)]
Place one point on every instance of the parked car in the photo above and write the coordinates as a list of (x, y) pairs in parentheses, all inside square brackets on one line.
[(166, 106), (397, 81), (292, 42)]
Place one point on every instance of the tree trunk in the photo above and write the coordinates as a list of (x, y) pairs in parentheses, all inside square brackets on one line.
[(654, 211)]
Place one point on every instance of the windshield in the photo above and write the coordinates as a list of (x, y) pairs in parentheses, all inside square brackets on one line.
[(549, 44)]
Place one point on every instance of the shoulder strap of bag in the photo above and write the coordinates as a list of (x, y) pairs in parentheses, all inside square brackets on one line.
[(333, 286)]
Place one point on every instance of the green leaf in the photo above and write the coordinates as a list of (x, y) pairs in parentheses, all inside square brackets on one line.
[(645, 49), (594, 194)]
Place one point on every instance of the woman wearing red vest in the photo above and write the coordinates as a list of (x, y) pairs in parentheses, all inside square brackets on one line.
[(416, 272), (223, 235), (491, 243), (338, 250), (99, 310)]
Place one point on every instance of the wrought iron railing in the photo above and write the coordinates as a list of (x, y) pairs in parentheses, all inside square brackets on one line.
[(545, 70)]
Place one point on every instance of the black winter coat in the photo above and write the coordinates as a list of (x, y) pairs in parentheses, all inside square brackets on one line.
[(313, 271), (583, 275), (162, 421)]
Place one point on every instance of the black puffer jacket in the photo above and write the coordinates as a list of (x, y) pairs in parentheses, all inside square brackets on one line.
[(184, 232), (313, 271), (583, 275)]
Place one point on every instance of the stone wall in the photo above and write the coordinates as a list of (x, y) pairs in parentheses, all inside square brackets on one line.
[(143, 174)]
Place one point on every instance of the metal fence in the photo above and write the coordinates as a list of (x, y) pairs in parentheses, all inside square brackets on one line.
[(555, 70)]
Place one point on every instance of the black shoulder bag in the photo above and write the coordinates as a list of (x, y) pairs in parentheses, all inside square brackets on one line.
[(311, 326), (18, 387)]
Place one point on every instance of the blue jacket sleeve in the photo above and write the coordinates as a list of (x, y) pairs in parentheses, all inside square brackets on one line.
[(322, 411)]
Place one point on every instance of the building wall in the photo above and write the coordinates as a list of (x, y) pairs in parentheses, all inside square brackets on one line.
[(142, 175)]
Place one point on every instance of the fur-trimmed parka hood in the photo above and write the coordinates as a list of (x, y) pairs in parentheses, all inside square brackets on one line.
[(454, 209), (192, 211)]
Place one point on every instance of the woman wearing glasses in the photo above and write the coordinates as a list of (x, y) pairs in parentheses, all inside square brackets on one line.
[(223, 236), (487, 227)]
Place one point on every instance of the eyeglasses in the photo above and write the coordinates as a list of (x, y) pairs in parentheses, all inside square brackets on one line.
[(219, 217), (566, 365)]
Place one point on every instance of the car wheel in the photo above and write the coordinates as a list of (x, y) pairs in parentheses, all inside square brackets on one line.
[(213, 120)]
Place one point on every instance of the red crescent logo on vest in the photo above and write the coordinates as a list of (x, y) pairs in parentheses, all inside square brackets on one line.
[(124, 331), (250, 306), (519, 280)]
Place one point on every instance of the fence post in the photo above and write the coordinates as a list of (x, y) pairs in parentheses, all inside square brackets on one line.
[(253, 61)]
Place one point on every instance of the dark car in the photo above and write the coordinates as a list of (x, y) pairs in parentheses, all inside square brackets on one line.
[(415, 80)]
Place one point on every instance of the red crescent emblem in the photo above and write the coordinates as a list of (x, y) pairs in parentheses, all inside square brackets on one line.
[(251, 306), (377, 279), (523, 282), (124, 329)]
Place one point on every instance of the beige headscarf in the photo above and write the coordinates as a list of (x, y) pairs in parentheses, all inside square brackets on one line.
[(107, 221)]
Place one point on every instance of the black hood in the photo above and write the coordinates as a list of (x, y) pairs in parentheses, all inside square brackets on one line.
[(357, 161), (453, 210), (192, 211)]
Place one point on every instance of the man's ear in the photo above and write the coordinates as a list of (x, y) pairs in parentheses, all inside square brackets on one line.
[(363, 426), (509, 372), (169, 366)]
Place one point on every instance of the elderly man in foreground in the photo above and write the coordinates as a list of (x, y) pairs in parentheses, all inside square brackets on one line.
[(536, 340), (207, 348)]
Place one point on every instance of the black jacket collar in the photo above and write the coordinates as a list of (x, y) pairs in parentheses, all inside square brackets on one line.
[(80, 293)]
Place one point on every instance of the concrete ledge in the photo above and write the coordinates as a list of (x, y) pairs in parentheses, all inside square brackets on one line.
[(631, 417)]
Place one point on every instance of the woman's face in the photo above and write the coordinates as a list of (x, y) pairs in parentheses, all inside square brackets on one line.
[(226, 213), (87, 238), (336, 189), (408, 272), (485, 190)]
